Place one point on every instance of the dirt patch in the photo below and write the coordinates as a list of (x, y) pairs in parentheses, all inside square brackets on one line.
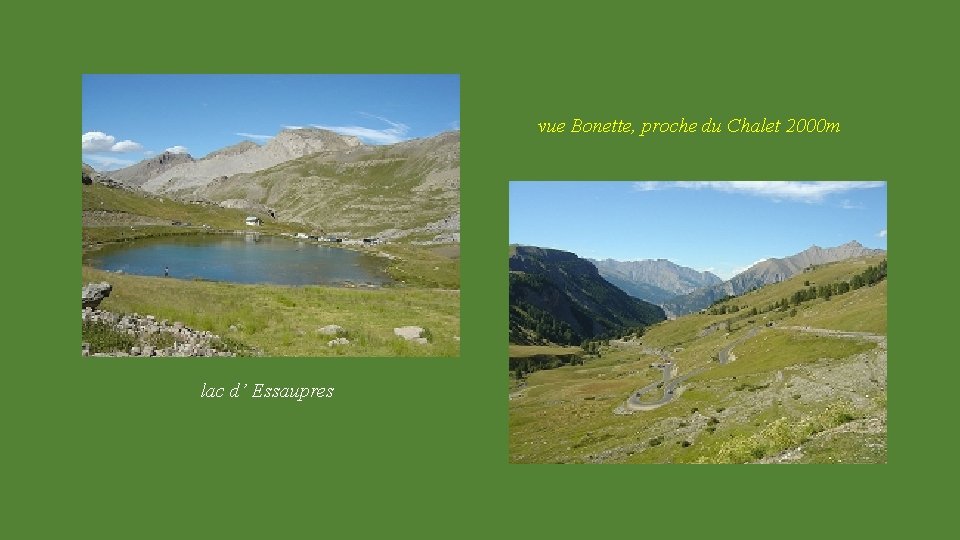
[(450, 251)]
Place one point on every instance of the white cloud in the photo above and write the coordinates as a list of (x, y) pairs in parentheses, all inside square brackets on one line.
[(126, 146), (455, 125), (809, 192), (177, 150), (393, 134), (882, 234), (107, 163), (253, 136), (292, 127), (149, 153), (98, 141), (847, 205), (648, 186)]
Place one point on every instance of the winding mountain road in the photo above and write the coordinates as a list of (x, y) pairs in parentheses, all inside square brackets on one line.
[(724, 354), (670, 383), (669, 386)]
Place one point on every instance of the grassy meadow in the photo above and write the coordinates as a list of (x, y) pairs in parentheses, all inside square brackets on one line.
[(282, 321)]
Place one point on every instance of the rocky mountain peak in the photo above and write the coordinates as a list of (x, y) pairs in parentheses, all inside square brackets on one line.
[(137, 174), (170, 158), (294, 143), (654, 280), (317, 135)]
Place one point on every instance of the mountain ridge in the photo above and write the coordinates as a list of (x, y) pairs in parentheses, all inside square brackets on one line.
[(767, 271), (327, 182), (139, 173), (654, 280), (248, 157)]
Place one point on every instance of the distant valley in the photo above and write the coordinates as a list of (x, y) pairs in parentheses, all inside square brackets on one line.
[(655, 281), (680, 290)]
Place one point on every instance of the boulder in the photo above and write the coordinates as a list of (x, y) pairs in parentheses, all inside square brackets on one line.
[(94, 293), (330, 330), (410, 333), (338, 341)]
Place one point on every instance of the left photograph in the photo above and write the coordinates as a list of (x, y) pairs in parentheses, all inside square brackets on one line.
[(270, 215)]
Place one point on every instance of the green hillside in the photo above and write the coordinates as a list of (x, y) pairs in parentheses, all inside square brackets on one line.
[(805, 383), (112, 214)]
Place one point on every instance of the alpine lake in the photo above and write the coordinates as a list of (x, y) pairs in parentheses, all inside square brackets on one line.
[(241, 258)]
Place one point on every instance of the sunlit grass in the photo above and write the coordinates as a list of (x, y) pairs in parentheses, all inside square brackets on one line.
[(283, 321)]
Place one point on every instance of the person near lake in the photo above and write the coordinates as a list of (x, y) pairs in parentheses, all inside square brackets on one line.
[(166, 271)]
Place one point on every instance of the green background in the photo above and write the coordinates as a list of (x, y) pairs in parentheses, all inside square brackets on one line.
[(121, 448)]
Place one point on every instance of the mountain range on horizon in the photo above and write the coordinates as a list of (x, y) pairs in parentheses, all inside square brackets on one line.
[(558, 297), (653, 280), (321, 179), (170, 172)]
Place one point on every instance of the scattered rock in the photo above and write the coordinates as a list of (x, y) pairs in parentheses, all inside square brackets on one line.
[(330, 330), (338, 341), (186, 341), (94, 293), (409, 333)]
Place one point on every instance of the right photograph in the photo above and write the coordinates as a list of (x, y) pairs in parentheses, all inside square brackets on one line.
[(698, 322)]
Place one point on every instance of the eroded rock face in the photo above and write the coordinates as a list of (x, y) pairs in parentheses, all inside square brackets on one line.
[(94, 293)]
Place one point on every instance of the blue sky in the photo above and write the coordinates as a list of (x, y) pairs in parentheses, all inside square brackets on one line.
[(127, 118), (723, 227)]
